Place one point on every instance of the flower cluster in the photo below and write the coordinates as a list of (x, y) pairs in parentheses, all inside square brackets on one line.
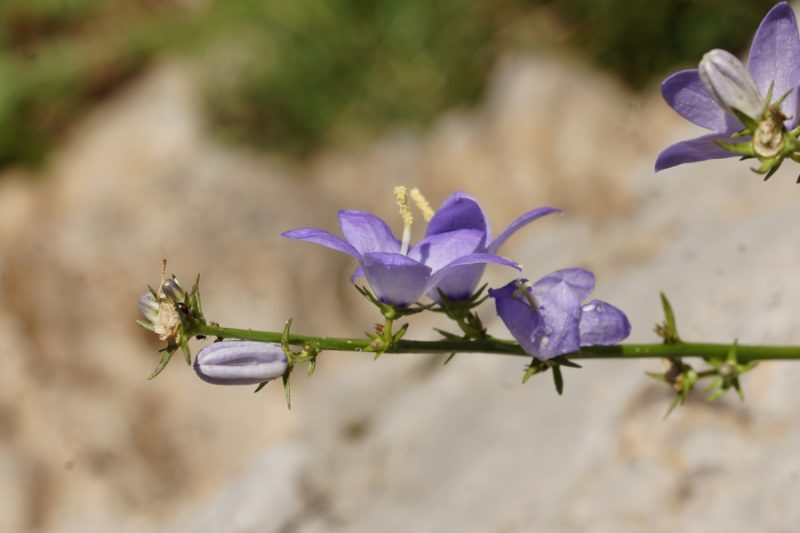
[(167, 312), (548, 320), (751, 111)]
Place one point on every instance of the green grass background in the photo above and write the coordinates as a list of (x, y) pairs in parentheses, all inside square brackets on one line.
[(294, 75)]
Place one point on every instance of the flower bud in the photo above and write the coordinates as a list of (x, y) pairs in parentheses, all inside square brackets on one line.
[(148, 307), (240, 362), (173, 290), (730, 84)]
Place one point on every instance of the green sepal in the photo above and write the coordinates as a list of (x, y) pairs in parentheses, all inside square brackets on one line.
[(558, 379), (681, 377), (658, 376), (167, 355), (715, 389), (399, 333), (743, 148), (146, 325), (677, 400), (669, 316), (187, 355), (285, 345), (194, 301), (750, 123), (532, 370), (391, 312), (669, 329), (728, 372), (287, 389), (769, 165), (562, 360), (738, 388), (311, 366), (461, 312)]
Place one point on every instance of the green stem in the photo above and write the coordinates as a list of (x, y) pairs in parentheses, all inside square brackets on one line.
[(745, 353), (387, 332)]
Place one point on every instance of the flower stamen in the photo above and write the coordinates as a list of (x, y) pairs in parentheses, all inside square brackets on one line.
[(523, 293), (422, 204), (401, 197)]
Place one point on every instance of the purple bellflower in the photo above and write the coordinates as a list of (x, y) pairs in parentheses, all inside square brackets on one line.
[(240, 362), (460, 211), (725, 97), (549, 319), (451, 257)]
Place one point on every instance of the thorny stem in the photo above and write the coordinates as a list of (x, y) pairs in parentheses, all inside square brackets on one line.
[(745, 353), (387, 332)]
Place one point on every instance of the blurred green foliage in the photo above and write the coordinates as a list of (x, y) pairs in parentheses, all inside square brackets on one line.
[(293, 75), (57, 57), (344, 69)]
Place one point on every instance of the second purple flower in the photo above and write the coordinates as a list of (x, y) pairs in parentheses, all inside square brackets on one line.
[(549, 318), (725, 97)]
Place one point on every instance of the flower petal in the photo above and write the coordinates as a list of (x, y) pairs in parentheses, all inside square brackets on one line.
[(441, 249), (459, 282), (579, 280), (775, 56), (603, 324), (522, 321), (697, 149), (454, 267), (357, 273), (684, 92), (366, 232), (518, 224), (240, 362), (730, 84), (396, 279), (459, 211), (559, 297), (319, 236)]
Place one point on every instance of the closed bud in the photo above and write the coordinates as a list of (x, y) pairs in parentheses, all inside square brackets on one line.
[(173, 290), (240, 362), (730, 84), (148, 307)]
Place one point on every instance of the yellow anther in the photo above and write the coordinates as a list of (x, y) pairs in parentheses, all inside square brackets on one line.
[(401, 196), (422, 204)]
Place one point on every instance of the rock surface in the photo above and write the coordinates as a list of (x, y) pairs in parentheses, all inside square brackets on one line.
[(402, 444)]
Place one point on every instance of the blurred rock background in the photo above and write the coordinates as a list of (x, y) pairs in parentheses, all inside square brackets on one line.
[(133, 130)]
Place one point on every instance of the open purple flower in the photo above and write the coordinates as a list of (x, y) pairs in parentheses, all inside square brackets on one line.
[(399, 274), (460, 211), (549, 319), (708, 96)]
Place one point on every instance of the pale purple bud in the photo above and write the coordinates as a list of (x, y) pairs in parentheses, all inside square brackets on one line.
[(148, 306), (172, 288), (730, 84), (240, 362)]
